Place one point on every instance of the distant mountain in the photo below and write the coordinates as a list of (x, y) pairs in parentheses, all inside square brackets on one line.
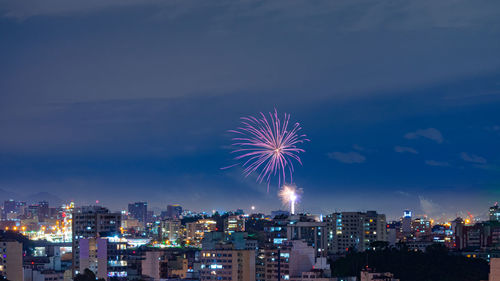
[(6, 195), (53, 200)]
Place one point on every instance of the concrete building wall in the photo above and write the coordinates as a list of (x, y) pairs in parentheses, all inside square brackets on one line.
[(494, 269), (11, 260)]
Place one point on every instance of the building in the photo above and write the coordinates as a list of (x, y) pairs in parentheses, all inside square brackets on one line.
[(355, 230), (289, 260), (494, 269), (311, 230), (43, 211), (9, 206), (139, 211), (91, 222), (195, 231), (161, 265), (174, 211), (494, 213), (11, 260), (225, 262), (370, 275), (105, 256), (170, 230), (406, 222), (234, 223), (421, 227)]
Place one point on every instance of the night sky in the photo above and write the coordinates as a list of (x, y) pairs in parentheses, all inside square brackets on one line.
[(128, 100)]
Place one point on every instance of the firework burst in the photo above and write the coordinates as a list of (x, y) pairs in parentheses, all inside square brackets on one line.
[(268, 147), (290, 194)]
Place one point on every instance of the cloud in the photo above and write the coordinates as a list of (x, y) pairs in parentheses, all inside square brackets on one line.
[(428, 207), (403, 149), (494, 128), (403, 193), (437, 163), (347, 157), (473, 158), (358, 147), (430, 133)]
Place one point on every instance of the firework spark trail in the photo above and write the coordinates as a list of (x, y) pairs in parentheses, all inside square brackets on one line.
[(290, 194), (266, 146)]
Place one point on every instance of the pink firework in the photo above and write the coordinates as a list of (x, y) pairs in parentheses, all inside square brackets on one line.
[(268, 147)]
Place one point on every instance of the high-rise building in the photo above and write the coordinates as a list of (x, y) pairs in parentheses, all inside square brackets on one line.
[(170, 229), (234, 224), (289, 260), (11, 260), (494, 213), (43, 210), (91, 222), (174, 211), (105, 256), (310, 229), (9, 206), (196, 230), (139, 211), (406, 222), (421, 227), (224, 257), (162, 265), (355, 230)]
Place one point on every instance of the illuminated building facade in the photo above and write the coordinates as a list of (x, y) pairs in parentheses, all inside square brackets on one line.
[(11, 260), (195, 231), (494, 213), (355, 230), (234, 223), (311, 230), (406, 223), (173, 211), (164, 265), (139, 211), (295, 257), (170, 230), (421, 227), (104, 256), (227, 263), (90, 222)]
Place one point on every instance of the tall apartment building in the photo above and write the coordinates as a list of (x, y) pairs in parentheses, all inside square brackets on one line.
[(494, 213), (406, 222), (170, 229), (161, 265), (9, 206), (227, 263), (91, 222), (290, 260), (105, 256), (139, 211), (311, 230), (174, 211), (227, 257), (11, 260), (234, 224), (195, 231), (355, 230)]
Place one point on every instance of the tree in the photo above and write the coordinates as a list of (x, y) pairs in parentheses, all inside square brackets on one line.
[(88, 275), (436, 264)]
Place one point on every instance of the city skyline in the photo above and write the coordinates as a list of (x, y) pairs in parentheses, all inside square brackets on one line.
[(95, 107)]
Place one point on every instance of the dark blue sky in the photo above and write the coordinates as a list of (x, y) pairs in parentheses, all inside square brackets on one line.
[(130, 100)]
